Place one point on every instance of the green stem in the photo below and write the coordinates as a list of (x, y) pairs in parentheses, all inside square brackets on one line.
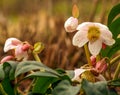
[(114, 60), (2, 90), (37, 58), (87, 54), (98, 58), (117, 71)]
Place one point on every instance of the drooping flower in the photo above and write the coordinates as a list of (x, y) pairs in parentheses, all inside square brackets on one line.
[(95, 34), (20, 48), (71, 24)]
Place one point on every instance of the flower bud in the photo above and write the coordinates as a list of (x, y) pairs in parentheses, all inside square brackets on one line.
[(93, 60), (101, 66), (71, 24)]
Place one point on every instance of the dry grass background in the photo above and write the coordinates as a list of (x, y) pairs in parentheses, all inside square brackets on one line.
[(43, 20)]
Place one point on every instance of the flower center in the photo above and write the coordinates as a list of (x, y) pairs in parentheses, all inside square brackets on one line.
[(93, 33)]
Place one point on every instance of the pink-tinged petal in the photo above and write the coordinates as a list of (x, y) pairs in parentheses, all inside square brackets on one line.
[(85, 26), (95, 47), (80, 38), (107, 41), (11, 44), (106, 37), (77, 73), (71, 24), (7, 58), (101, 26), (20, 54)]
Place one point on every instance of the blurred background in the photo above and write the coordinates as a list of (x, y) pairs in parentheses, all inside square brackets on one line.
[(43, 20)]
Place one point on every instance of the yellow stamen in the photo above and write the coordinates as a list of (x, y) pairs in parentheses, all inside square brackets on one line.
[(93, 34)]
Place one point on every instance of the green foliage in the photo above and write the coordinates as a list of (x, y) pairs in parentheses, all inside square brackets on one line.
[(65, 88), (113, 13), (113, 24), (98, 88)]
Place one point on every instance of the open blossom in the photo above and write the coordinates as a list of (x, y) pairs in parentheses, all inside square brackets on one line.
[(96, 34), (71, 24), (20, 48)]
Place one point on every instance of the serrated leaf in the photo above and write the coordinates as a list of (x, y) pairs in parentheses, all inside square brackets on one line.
[(65, 88), (75, 11), (113, 13)]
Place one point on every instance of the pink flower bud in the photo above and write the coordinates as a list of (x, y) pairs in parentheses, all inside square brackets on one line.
[(93, 60), (71, 24), (103, 46), (7, 58), (101, 66), (25, 47)]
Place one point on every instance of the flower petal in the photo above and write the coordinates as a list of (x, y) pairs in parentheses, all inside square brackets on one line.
[(78, 72), (101, 26), (106, 37), (19, 53), (95, 47), (84, 26), (11, 44), (80, 38)]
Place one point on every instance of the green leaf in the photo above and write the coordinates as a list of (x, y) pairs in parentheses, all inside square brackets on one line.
[(8, 68), (6, 83), (110, 51), (7, 86), (114, 48), (113, 13), (2, 74), (70, 73), (98, 88), (65, 88), (114, 83), (27, 66), (42, 84), (115, 27), (41, 74)]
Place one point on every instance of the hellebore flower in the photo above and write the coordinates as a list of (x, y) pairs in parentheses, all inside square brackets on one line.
[(96, 34), (20, 48), (71, 24)]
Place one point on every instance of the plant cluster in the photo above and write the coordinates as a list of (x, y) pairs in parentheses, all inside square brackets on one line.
[(20, 76)]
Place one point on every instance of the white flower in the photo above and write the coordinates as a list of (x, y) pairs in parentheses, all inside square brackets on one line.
[(71, 24), (94, 33)]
